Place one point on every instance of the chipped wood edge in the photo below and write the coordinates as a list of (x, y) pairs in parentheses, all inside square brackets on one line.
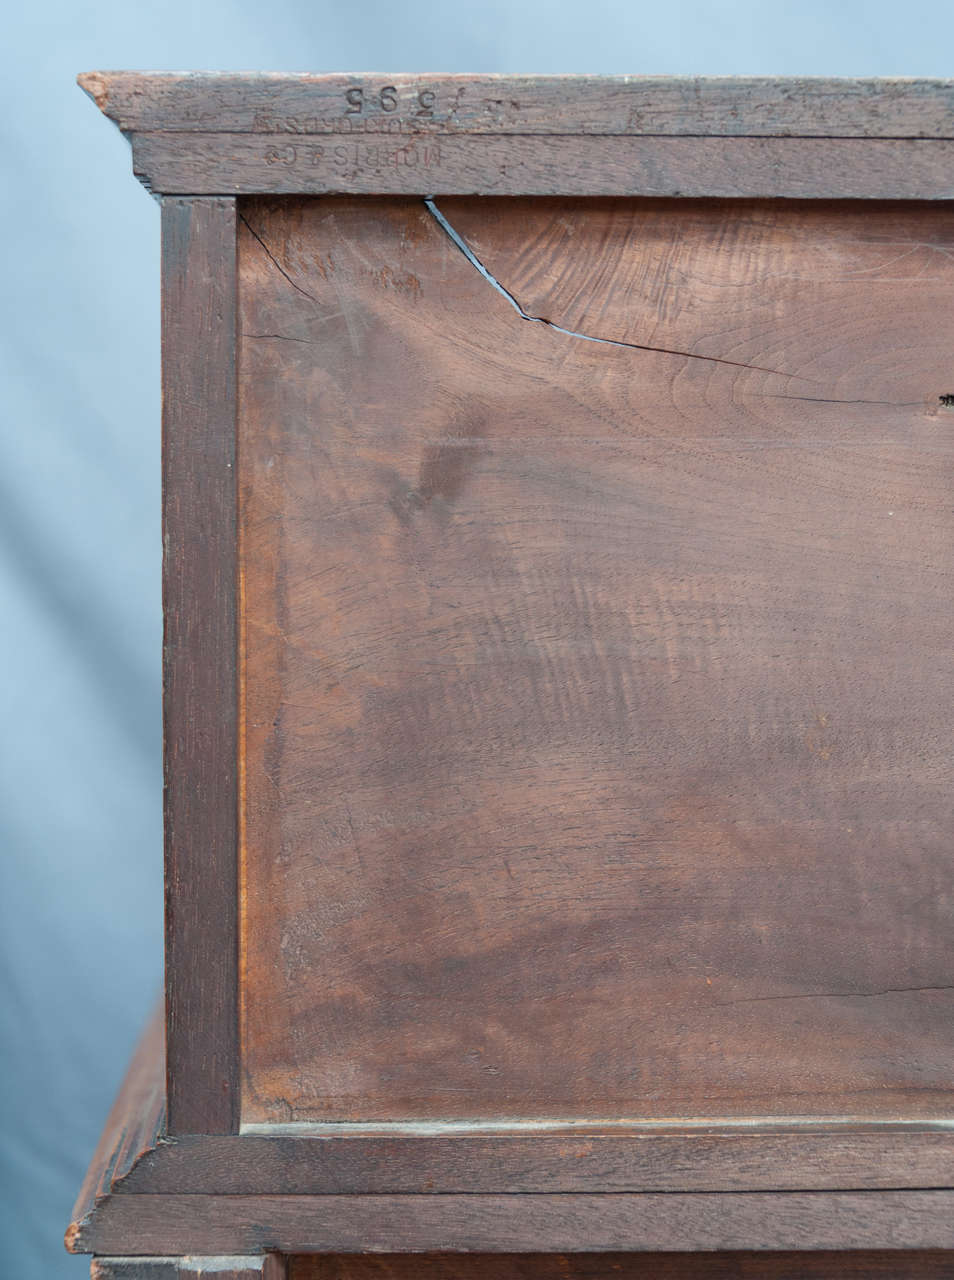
[(95, 85)]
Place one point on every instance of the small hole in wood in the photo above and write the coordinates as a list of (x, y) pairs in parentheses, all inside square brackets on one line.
[(947, 400)]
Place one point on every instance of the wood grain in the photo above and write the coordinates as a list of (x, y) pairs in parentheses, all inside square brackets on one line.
[(136, 1157), (509, 1224), (199, 662), (867, 1265), (597, 697), (528, 1163), (592, 688), (589, 105), (794, 168)]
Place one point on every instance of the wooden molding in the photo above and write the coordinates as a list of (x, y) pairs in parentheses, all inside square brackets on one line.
[(543, 135), (515, 1162), (793, 168), (140, 1179), (180, 1224), (137, 1158), (708, 106)]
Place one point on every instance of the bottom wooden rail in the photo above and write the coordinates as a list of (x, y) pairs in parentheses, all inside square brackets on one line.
[(173, 1224)]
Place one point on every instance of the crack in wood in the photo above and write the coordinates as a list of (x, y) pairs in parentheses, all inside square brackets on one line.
[(277, 265), (521, 311), (833, 995)]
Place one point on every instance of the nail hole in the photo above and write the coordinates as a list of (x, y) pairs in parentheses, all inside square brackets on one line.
[(947, 400)]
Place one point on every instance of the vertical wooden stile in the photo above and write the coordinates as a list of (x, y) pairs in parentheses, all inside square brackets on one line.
[(199, 663)]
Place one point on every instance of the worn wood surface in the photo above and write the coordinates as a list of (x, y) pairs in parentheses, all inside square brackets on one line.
[(598, 691), (589, 105), (132, 1127), (222, 1267), (593, 679), (810, 168), (556, 135), (507, 1224), (520, 1162), (199, 658), (888, 1265)]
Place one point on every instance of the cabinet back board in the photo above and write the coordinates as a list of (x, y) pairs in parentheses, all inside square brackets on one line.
[(594, 659), (557, 673)]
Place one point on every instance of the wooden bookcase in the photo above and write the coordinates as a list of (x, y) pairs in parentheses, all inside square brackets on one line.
[(558, 541)]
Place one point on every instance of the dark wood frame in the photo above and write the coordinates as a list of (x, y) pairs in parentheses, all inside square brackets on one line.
[(174, 1175), (200, 653)]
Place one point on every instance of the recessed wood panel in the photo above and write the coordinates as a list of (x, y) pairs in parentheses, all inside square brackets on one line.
[(596, 693)]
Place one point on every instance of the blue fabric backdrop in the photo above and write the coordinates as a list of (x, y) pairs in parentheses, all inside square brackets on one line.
[(80, 838)]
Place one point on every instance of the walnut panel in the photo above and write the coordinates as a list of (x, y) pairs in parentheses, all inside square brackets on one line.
[(596, 692)]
